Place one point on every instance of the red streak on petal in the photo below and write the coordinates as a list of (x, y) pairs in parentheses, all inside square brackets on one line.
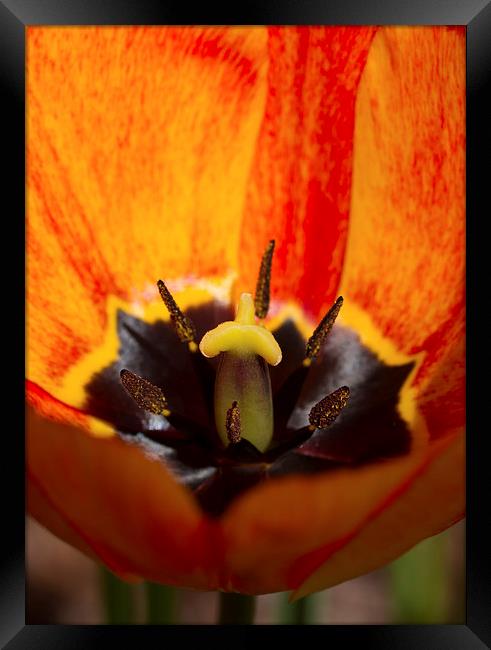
[(303, 567), (299, 189), (49, 406)]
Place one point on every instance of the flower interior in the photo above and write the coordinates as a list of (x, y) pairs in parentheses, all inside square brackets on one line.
[(226, 404)]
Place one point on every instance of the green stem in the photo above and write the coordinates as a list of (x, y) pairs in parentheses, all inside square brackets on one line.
[(420, 584), (236, 609), (118, 599), (297, 613), (161, 604)]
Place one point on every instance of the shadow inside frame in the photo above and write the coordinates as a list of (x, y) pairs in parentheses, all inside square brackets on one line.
[(14, 16)]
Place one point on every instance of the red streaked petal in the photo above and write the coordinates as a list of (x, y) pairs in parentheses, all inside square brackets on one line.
[(405, 255), (139, 145), (52, 408), (299, 189), (441, 399), (428, 505)]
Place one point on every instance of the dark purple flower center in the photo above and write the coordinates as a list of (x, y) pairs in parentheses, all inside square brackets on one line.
[(367, 431)]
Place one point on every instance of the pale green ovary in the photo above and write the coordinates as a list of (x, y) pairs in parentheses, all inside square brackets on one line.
[(243, 375)]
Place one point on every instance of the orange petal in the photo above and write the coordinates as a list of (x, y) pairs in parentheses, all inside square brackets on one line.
[(276, 535), (122, 503), (52, 408), (441, 399), (299, 190), (405, 256), (40, 507), (140, 142), (42, 510), (434, 501)]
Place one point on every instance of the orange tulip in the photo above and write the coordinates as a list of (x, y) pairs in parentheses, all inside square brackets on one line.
[(177, 153)]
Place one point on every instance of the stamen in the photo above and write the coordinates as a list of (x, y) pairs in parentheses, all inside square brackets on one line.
[(321, 331), (261, 299), (327, 410), (184, 326), (232, 423), (146, 395)]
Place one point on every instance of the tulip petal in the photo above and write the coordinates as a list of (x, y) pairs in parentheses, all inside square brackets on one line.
[(41, 509), (274, 531), (442, 398), (404, 261), (129, 132), (396, 528), (299, 188), (52, 408), (122, 502)]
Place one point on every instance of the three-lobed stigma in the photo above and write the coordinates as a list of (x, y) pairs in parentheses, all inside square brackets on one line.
[(242, 336)]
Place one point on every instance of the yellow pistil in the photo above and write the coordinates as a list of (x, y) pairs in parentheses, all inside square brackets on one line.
[(242, 377), (242, 335)]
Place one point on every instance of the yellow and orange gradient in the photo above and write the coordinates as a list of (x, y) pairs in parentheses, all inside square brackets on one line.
[(178, 153)]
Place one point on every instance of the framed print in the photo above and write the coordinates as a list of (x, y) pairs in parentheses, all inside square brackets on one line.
[(247, 266)]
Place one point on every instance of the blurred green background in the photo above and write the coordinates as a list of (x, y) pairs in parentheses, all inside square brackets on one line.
[(426, 585)]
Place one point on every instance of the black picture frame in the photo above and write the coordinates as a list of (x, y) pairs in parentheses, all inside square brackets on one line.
[(15, 16)]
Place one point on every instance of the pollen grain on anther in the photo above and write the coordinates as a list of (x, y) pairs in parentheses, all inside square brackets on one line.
[(327, 410), (232, 423), (322, 330), (261, 298), (146, 395), (183, 325)]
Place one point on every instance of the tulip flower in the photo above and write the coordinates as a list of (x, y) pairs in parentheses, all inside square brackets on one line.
[(312, 177)]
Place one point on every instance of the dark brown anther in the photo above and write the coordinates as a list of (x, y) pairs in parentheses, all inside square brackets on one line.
[(186, 332), (146, 395), (327, 410), (232, 423), (261, 299), (321, 331), (184, 326)]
